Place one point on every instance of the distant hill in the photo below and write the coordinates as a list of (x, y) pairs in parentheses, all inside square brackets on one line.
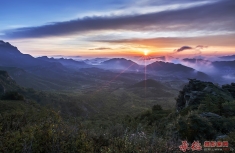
[(52, 74), (216, 64), (149, 83), (165, 66), (95, 61), (230, 57), (225, 71), (120, 63), (175, 71), (194, 60), (10, 56), (38, 73), (69, 63), (224, 64)]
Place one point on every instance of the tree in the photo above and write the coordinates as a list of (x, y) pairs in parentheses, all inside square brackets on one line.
[(156, 108), (12, 95)]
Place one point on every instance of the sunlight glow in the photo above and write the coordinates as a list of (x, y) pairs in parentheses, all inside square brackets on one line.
[(145, 52)]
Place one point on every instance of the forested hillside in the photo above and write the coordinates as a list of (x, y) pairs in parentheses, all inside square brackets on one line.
[(33, 121)]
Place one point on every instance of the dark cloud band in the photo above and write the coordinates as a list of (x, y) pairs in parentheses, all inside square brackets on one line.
[(183, 48), (213, 17), (228, 40), (101, 48)]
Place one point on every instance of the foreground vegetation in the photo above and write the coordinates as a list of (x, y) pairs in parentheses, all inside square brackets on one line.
[(35, 121), (27, 127)]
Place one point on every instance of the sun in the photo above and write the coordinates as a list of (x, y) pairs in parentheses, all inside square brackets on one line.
[(146, 52)]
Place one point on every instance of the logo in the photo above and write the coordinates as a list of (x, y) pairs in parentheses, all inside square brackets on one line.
[(196, 146), (208, 146)]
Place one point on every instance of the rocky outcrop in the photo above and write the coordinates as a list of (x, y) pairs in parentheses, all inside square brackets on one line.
[(4, 74), (6, 82), (230, 88), (5, 78), (210, 115), (195, 92)]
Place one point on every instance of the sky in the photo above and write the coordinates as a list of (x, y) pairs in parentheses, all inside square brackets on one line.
[(118, 28)]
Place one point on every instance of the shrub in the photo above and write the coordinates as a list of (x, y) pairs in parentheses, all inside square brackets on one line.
[(12, 95), (195, 127)]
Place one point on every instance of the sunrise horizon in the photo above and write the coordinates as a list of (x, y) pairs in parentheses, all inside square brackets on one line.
[(117, 76), (120, 29)]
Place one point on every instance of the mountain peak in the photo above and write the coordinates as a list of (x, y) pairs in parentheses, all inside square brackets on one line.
[(7, 48), (120, 63), (229, 57), (5, 44), (43, 57), (46, 58), (119, 60)]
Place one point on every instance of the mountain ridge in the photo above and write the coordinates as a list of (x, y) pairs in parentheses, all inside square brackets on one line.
[(120, 63), (66, 62), (175, 70)]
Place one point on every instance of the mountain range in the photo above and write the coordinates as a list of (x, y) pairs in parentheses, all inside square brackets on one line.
[(69, 63), (60, 73), (230, 57)]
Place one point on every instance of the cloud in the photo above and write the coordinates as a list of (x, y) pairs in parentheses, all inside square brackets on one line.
[(165, 2), (183, 48), (205, 66), (215, 16), (201, 47), (158, 58), (229, 77), (196, 49), (211, 40), (101, 48)]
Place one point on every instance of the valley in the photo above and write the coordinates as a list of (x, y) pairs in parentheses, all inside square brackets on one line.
[(117, 76), (68, 105)]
